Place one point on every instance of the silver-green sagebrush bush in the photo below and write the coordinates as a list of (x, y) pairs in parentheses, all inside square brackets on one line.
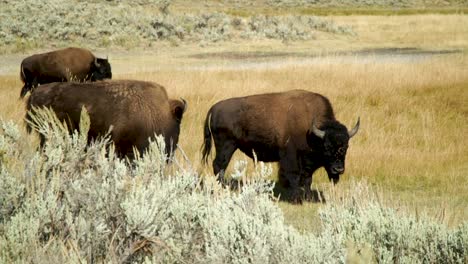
[(134, 23), (73, 202)]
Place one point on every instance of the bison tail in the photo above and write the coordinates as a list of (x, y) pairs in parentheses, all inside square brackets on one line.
[(27, 118), (207, 139), (24, 79), (22, 75)]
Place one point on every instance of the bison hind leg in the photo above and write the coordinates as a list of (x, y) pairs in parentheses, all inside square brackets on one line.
[(224, 152)]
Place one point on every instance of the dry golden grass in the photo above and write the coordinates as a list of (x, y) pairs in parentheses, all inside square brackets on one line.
[(412, 140), (412, 145), (249, 8), (422, 31)]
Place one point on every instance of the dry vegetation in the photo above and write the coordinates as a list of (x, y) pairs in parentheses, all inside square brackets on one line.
[(74, 203), (413, 115), (411, 149), (413, 112), (324, 7), (142, 24)]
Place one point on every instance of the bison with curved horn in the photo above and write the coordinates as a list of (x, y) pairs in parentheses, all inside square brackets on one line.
[(70, 64), (297, 128), (136, 111)]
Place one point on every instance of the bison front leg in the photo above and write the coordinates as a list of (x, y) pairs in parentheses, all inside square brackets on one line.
[(288, 171), (307, 173), (306, 181)]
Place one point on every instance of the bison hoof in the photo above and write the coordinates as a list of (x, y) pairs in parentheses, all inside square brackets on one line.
[(296, 198)]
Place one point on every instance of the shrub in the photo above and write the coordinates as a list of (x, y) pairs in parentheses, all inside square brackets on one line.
[(73, 202), (394, 238), (96, 23)]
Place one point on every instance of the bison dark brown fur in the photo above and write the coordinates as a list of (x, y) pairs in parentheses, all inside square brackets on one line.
[(296, 128), (62, 65), (136, 110)]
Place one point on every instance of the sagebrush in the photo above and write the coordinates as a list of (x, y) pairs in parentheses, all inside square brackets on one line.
[(132, 24), (74, 202)]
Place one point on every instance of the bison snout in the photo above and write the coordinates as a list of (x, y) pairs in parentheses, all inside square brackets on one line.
[(339, 169)]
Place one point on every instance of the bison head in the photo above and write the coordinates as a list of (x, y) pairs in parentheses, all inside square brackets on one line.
[(178, 108), (333, 138), (101, 69)]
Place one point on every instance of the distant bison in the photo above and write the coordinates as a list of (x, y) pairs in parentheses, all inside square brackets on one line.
[(62, 65), (297, 128), (136, 110)]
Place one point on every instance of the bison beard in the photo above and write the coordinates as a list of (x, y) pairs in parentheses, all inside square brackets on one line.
[(136, 110), (298, 129)]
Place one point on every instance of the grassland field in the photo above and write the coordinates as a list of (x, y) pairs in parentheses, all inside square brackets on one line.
[(412, 145), (323, 7)]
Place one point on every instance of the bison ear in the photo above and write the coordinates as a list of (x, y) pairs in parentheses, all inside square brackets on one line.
[(178, 108)]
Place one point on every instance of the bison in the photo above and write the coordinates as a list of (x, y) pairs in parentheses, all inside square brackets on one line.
[(62, 65), (136, 111), (297, 128)]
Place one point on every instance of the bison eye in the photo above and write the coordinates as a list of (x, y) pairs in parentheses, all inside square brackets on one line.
[(341, 151)]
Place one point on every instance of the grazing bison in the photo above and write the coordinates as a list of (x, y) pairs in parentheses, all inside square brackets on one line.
[(297, 128), (136, 110), (62, 65)]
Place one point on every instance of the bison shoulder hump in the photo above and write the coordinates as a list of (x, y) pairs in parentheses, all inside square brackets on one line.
[(136, 90)]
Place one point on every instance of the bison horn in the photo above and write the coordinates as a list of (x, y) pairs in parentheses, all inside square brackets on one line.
[(353, 131), (319, 133), (96, 62), (185, 103)]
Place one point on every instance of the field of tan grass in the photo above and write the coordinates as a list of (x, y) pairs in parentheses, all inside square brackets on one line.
[(412, 143), (324, 8)]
